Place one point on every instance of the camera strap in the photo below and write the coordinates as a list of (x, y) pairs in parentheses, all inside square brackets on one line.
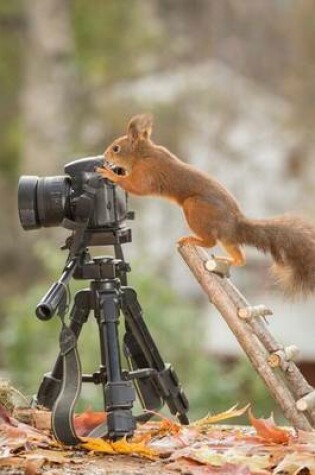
[(63, 408)]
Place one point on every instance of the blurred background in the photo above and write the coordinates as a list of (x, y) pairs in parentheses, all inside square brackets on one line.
[(231, 85)]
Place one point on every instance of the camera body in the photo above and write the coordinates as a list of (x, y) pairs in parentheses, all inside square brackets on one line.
[(50, 201)]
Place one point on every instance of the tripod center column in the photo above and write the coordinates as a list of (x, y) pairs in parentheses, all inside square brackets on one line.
[(119, 394), (109, 310)]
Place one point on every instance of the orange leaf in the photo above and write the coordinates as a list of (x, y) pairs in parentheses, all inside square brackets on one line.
[(97, 445), (167, 426), (119, 447), (267, 429), (87, 421), (132, 448)]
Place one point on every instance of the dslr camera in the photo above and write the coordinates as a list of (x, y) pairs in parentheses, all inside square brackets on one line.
[(55, 200)]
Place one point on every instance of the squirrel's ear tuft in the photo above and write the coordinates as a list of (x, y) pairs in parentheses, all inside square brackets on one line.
[(140, 127)]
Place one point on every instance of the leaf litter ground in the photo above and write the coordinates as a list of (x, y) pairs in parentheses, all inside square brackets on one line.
[(160, 447)]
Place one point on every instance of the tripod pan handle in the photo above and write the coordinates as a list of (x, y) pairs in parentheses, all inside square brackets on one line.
[(47, 307)]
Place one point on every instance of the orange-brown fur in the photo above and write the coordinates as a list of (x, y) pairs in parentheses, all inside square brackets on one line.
[(211, 212)]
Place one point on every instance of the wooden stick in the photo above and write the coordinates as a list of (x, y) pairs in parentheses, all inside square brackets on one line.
[(307, 402), (281, 358), (253, 312), (215, 287), (219, 266)]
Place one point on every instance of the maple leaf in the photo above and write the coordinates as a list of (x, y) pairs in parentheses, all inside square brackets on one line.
[(119, 447), (222, 416), (134, 448), (97, 445), (167, 426), (267, 429)]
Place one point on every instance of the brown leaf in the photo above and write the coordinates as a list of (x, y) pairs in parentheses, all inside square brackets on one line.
[(194, 468), (87, 421), (55, 456), (296, 463), (32, 467), (12, 438), (13, 461), (5, 416), (267, 429), (218, 458), (305, 437)]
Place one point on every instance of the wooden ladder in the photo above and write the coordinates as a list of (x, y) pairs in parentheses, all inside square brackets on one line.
[(273, 362)]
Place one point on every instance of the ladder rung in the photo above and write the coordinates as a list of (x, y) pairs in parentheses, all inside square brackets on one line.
[(307, 402), (255, 311)]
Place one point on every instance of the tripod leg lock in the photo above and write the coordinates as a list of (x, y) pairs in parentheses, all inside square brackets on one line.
[(48, 391), (119, 394), (173, 393), (120, 423)]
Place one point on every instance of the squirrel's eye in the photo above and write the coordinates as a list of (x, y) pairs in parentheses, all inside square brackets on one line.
[(116, 148)]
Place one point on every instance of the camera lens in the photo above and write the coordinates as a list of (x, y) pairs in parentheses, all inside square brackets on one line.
[(27, 202), (42, 201)]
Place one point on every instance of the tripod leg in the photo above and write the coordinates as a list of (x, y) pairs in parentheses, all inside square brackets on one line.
[(147, 390), (51, 383), (119, 393), (163, 381)]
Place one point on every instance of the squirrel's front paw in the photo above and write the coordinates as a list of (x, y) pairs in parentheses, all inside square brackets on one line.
[(106, 173), (99, 170)]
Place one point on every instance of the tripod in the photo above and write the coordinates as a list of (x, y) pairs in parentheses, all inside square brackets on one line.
[(155, 382)]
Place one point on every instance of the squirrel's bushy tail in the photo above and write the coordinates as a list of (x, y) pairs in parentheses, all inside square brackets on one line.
[(291, 242)]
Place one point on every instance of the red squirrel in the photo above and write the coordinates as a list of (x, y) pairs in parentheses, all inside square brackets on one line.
[(211, 211)]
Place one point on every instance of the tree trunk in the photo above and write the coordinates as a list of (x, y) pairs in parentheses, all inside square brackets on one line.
[(47, 98)]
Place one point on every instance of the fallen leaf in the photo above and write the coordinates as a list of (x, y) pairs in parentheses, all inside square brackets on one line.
[(222, 416), (11, 462), (166, 426), (296, 463), (32, 467), (217, 458), (169, 443), (87, 421), (97, 445), (132, 448), (194, 468), (305, 437), (267, 429), (5, 416), (119, 447), (55, 456)]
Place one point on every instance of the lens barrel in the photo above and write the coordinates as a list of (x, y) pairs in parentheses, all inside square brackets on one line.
[(43, 201)]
